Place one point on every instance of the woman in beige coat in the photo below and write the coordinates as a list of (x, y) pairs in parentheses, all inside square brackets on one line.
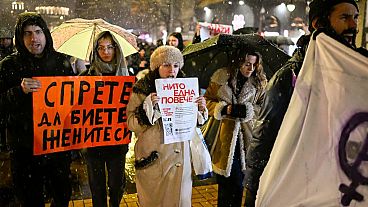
[(163, 171), (233, 97)]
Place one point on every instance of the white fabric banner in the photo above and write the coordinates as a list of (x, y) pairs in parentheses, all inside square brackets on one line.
[(321, 152)]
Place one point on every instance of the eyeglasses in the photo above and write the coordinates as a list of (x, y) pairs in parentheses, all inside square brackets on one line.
[(109, 48)]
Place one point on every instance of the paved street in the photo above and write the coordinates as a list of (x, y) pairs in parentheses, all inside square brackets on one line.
[(202, 196), (204, 192)]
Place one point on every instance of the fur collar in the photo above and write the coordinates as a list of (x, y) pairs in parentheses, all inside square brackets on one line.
[(146, 85), (247, 93), (226, 96), (220, 76)]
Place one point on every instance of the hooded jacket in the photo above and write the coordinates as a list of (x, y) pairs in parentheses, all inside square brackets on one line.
[(119, 68), (118, 65), (13, 101)]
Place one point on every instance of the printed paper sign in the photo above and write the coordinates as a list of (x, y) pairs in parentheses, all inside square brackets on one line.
[(177, 107), (78, 112)]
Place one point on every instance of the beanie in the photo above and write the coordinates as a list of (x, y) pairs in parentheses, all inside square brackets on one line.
[(317, 8), (6, 33), (166, 54)]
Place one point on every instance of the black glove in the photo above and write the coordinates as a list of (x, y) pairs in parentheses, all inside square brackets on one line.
[(224, 110), (238, 110)]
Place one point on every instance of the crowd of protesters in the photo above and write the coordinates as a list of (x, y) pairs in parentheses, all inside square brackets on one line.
[(250, 110)]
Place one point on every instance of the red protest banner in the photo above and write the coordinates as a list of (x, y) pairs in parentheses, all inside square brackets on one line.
[(79, 112)]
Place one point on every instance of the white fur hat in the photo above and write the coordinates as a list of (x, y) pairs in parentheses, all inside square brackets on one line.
[(166, 54)]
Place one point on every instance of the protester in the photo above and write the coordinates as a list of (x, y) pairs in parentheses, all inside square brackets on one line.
[(338, 19), (107, 60), (6, 42), (139, 61), (35, 57), (233, 96), (163, 171), (176, 39), (78, 65), (6, 48), (159, 42), (197, 34)]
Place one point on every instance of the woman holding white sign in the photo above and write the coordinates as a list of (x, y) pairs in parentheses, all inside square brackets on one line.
[(163, 171), (233, 96)]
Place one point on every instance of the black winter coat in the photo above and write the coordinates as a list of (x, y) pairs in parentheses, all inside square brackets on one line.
[(17, 105), (277, 97), (14, 102)]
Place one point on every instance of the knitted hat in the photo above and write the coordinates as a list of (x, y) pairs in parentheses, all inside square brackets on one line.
[(166, 54), (318, 8), (6, 33)]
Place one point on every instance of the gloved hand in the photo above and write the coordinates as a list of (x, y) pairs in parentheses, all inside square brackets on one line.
[(224, 110), (238, 110)]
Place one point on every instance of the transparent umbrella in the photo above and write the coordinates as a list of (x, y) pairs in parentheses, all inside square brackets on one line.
[(75, 37)]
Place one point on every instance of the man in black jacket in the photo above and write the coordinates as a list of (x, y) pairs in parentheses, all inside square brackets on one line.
[(35, 57), (338, 19)]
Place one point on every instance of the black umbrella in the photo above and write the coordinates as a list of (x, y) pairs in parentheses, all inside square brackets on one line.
[(280, 40), (203, 59)]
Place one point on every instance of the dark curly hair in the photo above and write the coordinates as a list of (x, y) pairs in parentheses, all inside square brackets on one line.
[(258, 73)]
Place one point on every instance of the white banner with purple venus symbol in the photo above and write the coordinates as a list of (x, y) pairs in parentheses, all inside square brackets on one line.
[(320, 157)]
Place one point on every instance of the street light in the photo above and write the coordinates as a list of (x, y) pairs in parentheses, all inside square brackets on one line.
[(17, 5), (241, 3), (290, 6)]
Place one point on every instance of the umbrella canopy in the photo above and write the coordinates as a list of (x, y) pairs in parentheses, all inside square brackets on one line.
[(280, 40), (75, 37), (203, 59)]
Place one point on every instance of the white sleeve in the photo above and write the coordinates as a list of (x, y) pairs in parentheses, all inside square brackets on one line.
[(152, 112), (202, 116)]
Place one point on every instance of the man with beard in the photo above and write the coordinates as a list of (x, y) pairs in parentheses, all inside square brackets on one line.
[(35, 57), (336, 18)]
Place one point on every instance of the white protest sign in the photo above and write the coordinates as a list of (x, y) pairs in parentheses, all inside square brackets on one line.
[(209, 30), (178, 107)]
